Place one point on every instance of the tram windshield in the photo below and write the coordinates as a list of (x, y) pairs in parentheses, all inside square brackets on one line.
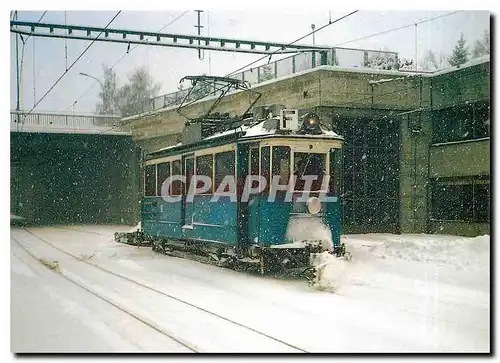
[(307, 165)]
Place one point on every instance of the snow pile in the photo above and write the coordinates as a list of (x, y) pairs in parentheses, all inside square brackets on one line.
[(402, 254), (309, 229), (135, 229), (458, 252), (331, 271)]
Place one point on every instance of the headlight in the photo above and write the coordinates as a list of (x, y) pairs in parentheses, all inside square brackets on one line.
[(311, 123), (314, 205)]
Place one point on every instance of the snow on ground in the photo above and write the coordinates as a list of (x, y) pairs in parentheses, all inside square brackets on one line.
[(398, 294), (50, 314)]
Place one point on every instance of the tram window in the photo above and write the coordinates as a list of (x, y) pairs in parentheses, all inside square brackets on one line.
[(163, 174), (309, 164), (205, 167), (224, 165), (281, 163), (150, 181), (264, 165), (335, 168), (254, 165), (189, 172), (254, 161), (176, 172)]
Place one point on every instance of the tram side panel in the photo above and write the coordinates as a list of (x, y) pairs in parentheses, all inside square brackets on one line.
[(169, 220), (212, 221)]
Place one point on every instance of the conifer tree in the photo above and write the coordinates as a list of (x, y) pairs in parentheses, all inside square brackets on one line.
[(460, 53)]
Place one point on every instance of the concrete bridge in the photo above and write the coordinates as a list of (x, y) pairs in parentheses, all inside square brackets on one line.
[(69, 123), (68, 168)]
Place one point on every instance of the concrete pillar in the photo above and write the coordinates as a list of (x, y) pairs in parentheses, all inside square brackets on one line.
[(414, 166)]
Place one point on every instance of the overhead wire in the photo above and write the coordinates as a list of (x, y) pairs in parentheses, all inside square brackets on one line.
[(364, 98), (399, 28), (34, 73), (266, 56), (22, 54), (75, 61), (71, 66), (129, 49), (295, 41)]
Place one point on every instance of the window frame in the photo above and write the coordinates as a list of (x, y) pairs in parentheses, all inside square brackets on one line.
[(159, 186), (215, 183), (211, 190), (176, 184), (473, 182), (272, 162), (446, 120), (326, 170), (146, 167)]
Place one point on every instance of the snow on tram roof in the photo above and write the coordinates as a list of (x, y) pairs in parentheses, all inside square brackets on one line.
[(259, 130), (256, 130), (169, 147), (251, 131)]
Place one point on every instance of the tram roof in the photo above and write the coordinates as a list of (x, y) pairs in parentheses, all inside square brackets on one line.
[(237, 135)]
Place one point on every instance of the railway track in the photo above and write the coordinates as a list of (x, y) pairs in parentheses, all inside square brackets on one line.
[(150, 289), (82, 231), (153, 326)]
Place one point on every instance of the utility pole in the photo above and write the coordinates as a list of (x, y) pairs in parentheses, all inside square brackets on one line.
[(416, 45), (199, 26), (17, 72), (313, 27), (209, 53), (65, 45)]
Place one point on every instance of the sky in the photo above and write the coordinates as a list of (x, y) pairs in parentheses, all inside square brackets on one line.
[(44, 59)]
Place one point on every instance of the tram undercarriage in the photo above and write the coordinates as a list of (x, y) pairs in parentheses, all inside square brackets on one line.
[(297, 259)]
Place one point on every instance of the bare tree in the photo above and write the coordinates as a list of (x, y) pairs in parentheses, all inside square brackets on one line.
[(429, 61), (135, 96), (108, 97)]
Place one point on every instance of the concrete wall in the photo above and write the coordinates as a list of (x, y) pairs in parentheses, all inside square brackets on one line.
[(460, 159), (469, 229), (415, 136), (461, 86), (321, 87), (468, 158), (69, 178), (414, 172)]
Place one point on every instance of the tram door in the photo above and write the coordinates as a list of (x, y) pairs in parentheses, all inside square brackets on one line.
[(252, 207), (187, 207)]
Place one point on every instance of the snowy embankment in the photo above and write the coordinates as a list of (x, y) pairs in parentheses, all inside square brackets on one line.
[(459, 257), (446, 277)]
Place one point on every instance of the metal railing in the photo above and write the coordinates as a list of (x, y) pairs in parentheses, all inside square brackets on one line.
[(20, 118), (342, 57)]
